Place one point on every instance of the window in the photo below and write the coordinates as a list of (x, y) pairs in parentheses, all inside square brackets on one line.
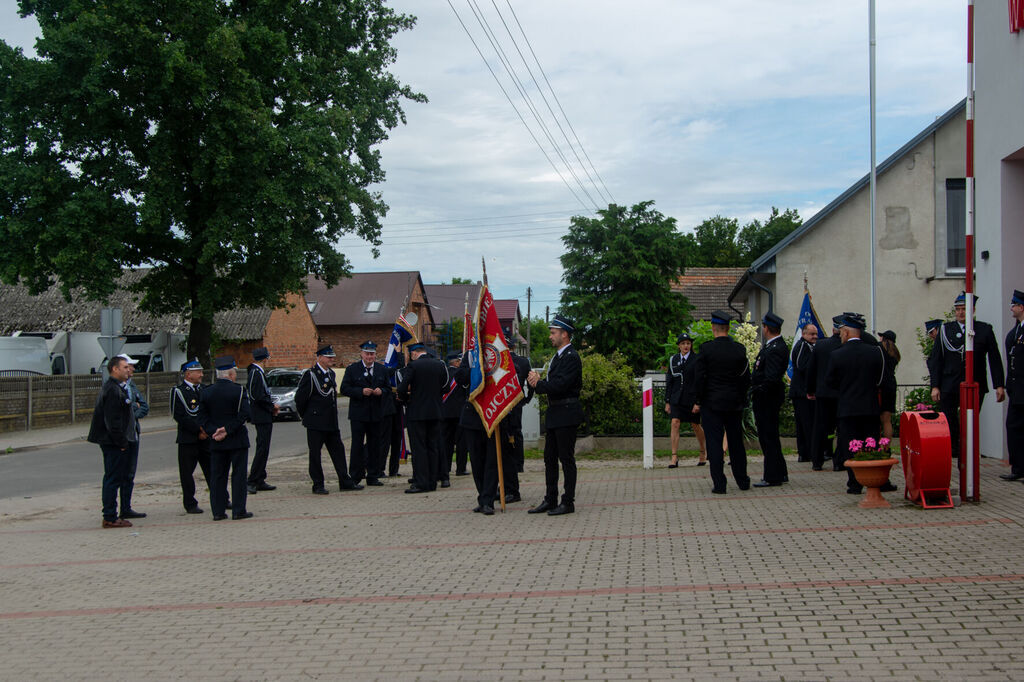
[(311, 305), (956, 225), (373, 306)]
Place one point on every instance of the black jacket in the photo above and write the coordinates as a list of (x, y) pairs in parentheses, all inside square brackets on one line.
[(679, 389), (800, 358), (1015, 365), (224, 404), (261, 403), (769, 367), (316, 399), (365, 408), (452, 405), (113, 419), (513, 422), (424, 382), (721, 375), (562, 387), (947, 365), (818, 368), (855, 373), (185, 409)]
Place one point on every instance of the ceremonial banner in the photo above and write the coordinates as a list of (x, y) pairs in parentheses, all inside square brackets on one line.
[(401, 334), (807, 316), (493, 386)]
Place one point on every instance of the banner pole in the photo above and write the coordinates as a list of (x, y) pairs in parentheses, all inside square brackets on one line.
[(501, 469)]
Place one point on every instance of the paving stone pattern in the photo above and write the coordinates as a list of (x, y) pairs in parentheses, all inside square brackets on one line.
[(653, 578)]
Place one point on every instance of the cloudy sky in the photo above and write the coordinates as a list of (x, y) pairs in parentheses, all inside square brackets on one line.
[(727, 107)]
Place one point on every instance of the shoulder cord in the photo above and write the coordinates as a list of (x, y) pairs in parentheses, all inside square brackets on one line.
[(315, 382), (946, 343), (191, 411), (672, 366)]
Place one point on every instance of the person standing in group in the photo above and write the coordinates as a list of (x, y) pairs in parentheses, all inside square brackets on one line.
[(365, 382), (931, 328), (888, 389), (316, 401), (855, 372), (769, 392), (513, 454), (423, 384), (483, 458), (223, 412), (140, 408), (193, 442), (263, 409), (721, 379), (392, 423), (113, 429), (803, 407), (679, 397), (1015, 388), (451, 412), (947, 366), (564, 415), (824, 397)]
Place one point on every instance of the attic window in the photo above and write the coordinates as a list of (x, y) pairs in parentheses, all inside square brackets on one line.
[(373, 306), (311, 305)]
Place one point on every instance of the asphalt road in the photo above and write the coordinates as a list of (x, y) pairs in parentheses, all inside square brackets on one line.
[(59, 467)]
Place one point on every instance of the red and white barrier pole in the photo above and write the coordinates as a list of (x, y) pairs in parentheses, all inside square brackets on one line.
[(648, 412), (970, 453)]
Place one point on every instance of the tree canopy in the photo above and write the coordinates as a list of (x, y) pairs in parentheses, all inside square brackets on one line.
[(618, 269), (228, 145), (720, 242)]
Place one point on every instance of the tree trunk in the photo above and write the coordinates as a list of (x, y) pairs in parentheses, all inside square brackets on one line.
[(199, 336)]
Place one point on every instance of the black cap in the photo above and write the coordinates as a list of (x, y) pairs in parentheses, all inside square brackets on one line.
[(854, 321), (327, 351), (453, 356), (224, 362), (932, 324), (837, 322), (260, 354), (1017, 298), (417, 346), (191, 364), (685, 336), (562, 322), (721, 317), (889, 334), (772, 320), (368, 347), (961, 298)]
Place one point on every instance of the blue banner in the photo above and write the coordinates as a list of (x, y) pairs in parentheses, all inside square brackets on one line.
[(807, 316)]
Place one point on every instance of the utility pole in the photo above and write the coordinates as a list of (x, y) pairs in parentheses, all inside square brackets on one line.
[(547, 314), (529, 321)]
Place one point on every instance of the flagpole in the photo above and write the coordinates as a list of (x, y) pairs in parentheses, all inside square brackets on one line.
[(501, 469), (483, 266)]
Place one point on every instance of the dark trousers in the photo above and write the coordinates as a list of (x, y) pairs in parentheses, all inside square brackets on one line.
[(949, 403), (128, 481), (425, 438), (854, 428), (190, 454), (1015, 437), (221, 461), (716, 426), (335, 448), (115, 468), (484, 462), (766, 406), (559, 448), (512, 460), (392, 440), (365, 449), (824, 428), (454, 445), (803, 415), (258, 471)]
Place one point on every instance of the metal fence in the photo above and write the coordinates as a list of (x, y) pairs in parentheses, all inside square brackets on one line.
[(40, 401)]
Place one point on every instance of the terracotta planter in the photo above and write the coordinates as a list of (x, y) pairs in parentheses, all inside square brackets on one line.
[(872, 474)]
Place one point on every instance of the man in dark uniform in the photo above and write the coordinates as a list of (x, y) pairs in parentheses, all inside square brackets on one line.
[(824, 397), (768, 394), (803, 408), (113, 428), (855, 372), (392, 423), (483, 458), (424, 382), (262, 412), (721, 378), (512, 452), (947, 366), (316, 401), (564, 415), (931, 328), (1015, 387), (679, 397), (453, 401), (365, 383), (193, 442), (223, 411)]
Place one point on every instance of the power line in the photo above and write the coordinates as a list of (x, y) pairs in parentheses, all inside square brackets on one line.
[(463, 220), (455, 236), (468, 229)]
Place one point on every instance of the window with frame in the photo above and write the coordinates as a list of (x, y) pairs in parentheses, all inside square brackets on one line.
[(956, 225)]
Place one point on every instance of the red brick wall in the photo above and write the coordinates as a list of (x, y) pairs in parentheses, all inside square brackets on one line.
[(290, 337), (346, 340)]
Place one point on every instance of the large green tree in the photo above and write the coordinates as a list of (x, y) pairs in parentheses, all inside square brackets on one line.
[(720, 242), (227, 144), (618, 270), (756, 238)]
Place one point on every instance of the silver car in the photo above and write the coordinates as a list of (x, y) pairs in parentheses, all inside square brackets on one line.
[(282, 384)]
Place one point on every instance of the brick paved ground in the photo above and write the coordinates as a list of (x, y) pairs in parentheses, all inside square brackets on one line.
[(652, 578)]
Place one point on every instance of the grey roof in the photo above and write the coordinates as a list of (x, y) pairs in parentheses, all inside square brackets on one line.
[(349, 301), (50, 312), (449, 300), (762, 263)]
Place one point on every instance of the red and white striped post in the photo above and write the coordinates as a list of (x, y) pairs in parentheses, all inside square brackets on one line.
[(648, 412), (970, 453)]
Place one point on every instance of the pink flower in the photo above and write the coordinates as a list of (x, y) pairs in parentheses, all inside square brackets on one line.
[(856, 445), (883, 442), (870, 443), (921, 407)]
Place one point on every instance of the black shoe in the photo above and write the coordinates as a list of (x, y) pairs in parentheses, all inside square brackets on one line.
[(446, 484), (219, 517), (414, 490), (704, 463), (265, 486), (487, 510), (887, 488), (410, 481), (837, 467), (564, 508), (252, 489), (462, 473), (194, 510), (816, 469), (373, 481), (718, 491), (767, 484), (745, 486), (352, 486), (132, 514), (1011, 477), (541, 508), (514, 497), (319, 490), (243, 515), (477, 509)]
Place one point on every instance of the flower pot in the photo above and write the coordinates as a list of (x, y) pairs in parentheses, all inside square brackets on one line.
[(872, 474)]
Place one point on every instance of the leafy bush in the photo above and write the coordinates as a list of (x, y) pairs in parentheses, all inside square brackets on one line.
[(610, 396)]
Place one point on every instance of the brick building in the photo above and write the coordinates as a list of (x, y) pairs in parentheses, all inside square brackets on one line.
[(708, 289)]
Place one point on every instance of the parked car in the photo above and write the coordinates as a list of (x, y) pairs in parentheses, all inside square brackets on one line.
[(282, 384)]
